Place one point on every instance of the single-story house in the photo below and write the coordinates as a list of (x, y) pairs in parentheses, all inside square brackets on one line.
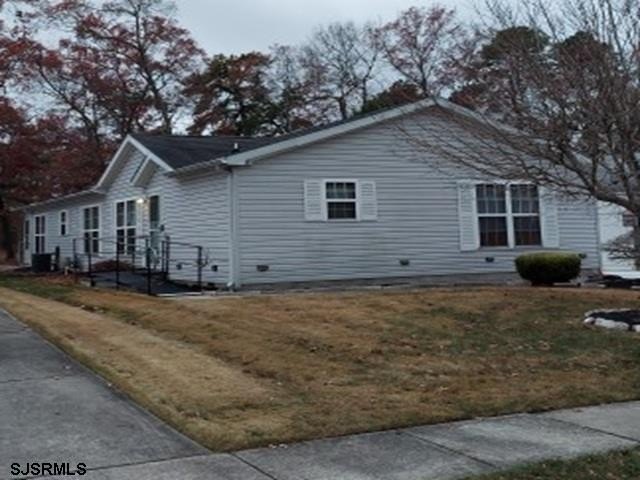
[(355, 200)]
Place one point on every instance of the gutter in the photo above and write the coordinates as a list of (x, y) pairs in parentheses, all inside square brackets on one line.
[(53, 201)]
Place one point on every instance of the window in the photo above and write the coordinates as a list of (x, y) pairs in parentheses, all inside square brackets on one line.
[(492, 215), (525, 208), (629, 220), (26, 235), (91, 229), (341, 200), (39, 235), (508, 215), (126, 220), (154, 222), (64, 223)]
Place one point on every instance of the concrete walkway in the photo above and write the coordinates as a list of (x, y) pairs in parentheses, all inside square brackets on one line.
[(53, 410)]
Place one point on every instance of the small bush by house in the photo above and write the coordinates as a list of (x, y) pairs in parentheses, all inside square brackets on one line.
[(547, 268), (111, 266)]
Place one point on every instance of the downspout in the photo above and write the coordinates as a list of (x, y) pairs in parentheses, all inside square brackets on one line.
[(234, 247)]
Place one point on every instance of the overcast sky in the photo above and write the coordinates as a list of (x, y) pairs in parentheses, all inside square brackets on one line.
[(234, 26)]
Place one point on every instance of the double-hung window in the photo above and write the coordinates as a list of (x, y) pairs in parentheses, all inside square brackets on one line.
[(91, 229), (508, 215), (63, 222), (525, 209), (126, 221), (341, 198), (492, 215), (39, 234)]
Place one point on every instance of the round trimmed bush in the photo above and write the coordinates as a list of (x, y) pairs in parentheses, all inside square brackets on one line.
[(547, 268)]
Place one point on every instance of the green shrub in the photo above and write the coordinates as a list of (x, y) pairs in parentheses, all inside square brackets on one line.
[(547, 268)]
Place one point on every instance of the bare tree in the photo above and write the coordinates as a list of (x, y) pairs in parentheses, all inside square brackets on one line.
[(339, 63), (423, 45), (291, 91), (121, 63), (569, 82)]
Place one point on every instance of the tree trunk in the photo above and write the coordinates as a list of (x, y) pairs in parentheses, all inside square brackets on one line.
[(7, 237), (5, 232), (342, 104)]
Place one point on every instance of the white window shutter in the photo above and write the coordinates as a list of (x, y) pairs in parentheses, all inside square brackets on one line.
[(314, 201), (368, 200), (549, 219), (467, 216)]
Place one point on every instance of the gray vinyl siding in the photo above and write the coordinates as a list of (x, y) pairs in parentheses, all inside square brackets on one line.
[(53, 239), (193, 210), (417, 214), (417, 203)]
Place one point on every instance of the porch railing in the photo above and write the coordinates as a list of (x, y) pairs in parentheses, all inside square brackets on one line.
[(138, 255)]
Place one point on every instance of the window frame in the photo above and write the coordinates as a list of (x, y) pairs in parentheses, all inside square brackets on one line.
[(509, 215), (513, 215), (64, 224), (128, 249), (505, 214), (97, 230), (40, 236), (355, 201)]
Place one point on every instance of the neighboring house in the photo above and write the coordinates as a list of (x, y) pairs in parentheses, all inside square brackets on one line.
[(615, 221), (352, 200)]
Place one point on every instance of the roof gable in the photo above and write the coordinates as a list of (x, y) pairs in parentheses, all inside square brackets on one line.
[(129, 145)]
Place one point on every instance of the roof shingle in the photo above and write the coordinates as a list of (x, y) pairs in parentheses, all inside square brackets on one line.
[(183, 151)]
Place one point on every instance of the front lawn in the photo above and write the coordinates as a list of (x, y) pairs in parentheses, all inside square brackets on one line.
[(240, 372), (610, 466)]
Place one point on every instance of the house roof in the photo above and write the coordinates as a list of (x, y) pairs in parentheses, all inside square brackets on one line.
[(90, 194), (188, 152), (179, 153), (182, 151)]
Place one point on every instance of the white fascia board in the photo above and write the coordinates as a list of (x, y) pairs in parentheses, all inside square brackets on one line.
[(65, 198)]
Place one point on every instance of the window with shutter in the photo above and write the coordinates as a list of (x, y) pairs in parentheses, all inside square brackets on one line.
[(340, 200), (506, 215)]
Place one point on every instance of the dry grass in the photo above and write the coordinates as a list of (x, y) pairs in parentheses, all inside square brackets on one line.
[(249, 371)]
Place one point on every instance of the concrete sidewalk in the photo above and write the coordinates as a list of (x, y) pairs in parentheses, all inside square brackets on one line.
[(53, 410)]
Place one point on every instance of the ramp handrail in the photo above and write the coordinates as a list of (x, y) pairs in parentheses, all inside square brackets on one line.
[(128, 247)]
